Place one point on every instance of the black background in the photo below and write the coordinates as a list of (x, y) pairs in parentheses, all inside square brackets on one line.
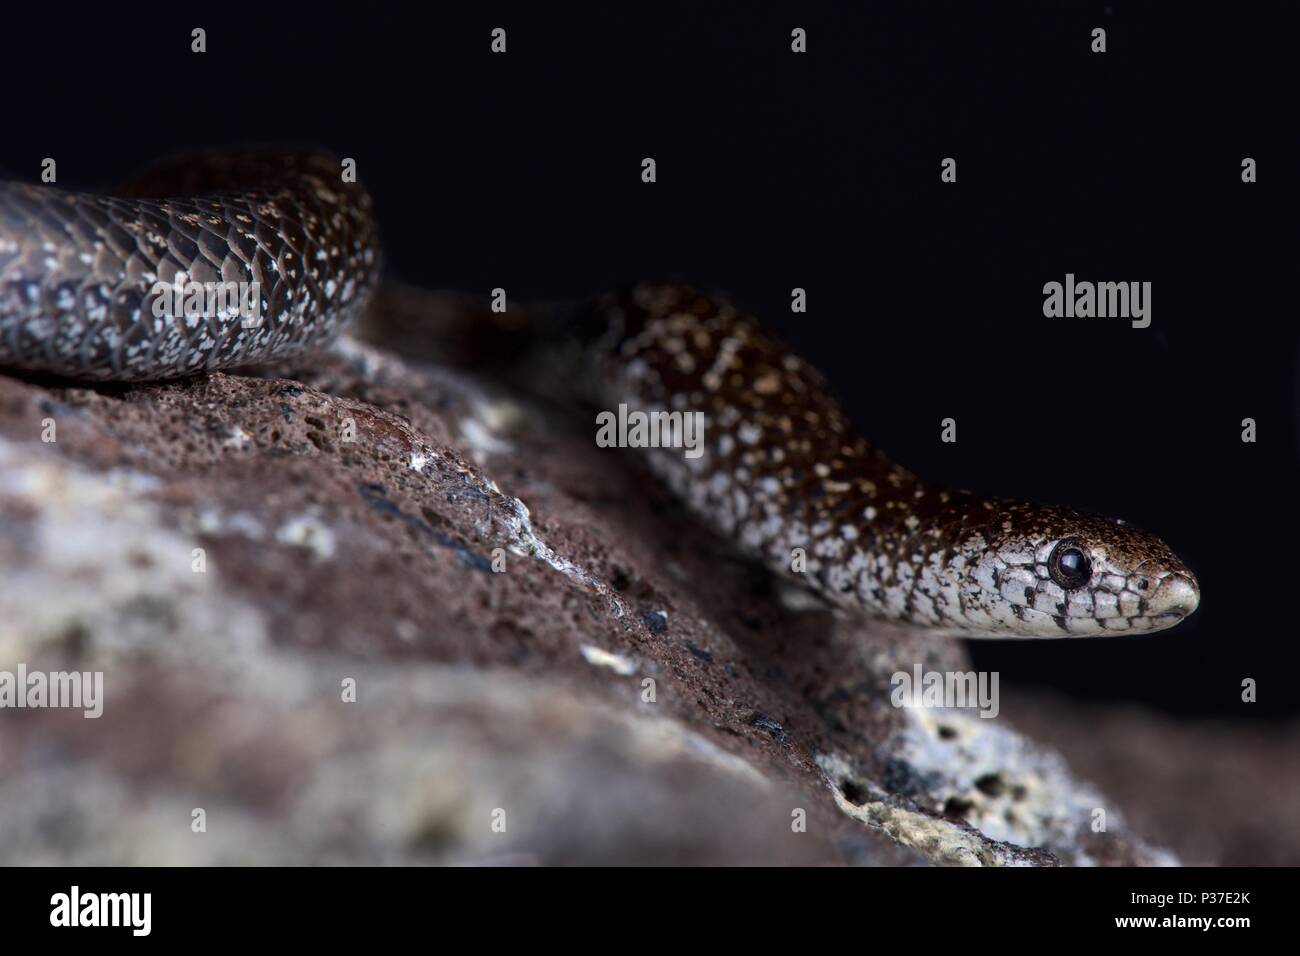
[(821, 170)]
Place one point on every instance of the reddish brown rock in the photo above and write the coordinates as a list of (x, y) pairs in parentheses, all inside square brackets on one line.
[(504, 596)]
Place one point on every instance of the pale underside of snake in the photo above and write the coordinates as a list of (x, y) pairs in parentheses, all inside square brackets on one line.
[(784, 474)]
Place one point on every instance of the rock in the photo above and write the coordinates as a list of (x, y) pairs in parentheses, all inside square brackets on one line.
[(551, 662), (1215, 792)]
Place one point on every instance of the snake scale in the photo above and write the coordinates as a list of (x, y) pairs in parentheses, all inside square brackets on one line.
[(784, 475)]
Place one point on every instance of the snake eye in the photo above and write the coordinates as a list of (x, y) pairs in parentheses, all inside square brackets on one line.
[(1069, 565)]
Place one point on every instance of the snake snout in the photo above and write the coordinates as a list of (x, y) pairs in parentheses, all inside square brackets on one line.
[(1178, 595)]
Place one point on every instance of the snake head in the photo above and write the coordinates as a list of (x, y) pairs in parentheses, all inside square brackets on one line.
[(1053, 572)]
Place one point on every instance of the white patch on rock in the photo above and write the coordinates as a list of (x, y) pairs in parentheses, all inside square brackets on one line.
[(308, 531), (602, 658), (1017, 792), (136, 591)]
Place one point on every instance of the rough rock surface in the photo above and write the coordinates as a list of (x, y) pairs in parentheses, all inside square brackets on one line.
[(1213, 791), (235, 551)]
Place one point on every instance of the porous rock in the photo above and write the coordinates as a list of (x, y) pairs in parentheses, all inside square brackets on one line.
[(361, 608)]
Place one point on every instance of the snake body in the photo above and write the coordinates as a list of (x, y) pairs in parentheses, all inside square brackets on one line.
[(785, 475), (79, 271)]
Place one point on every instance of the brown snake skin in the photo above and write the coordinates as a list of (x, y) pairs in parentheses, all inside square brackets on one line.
[(78, 271), (784, 474)]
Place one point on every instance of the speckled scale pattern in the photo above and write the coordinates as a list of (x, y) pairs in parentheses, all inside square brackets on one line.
[(785, 469), (77, 270)]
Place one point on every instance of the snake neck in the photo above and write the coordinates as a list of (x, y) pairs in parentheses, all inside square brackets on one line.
[(783, 473)]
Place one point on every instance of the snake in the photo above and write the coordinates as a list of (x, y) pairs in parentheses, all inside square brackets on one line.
[(784, 475)]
